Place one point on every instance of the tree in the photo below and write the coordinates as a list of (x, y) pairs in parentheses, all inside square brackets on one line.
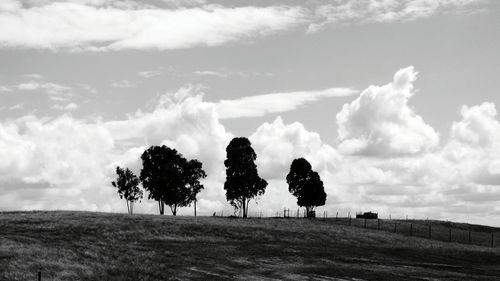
[(242, 179), (193, 174), (170, 178), (306, 185), (128, 187)]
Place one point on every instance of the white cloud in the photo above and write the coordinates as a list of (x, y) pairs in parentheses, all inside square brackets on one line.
[(369, 11), (380, 122), (261, 105), (73, 161), (68, 163), (150, 73), (56, 92), (212, 73), (277, 144), (16, 107), (124, 84), (68, 107), (114, 25), (474, 146), (5, 89), (33, 76)]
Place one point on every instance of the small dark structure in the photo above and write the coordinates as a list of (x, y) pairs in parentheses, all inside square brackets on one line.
[(367, 215)]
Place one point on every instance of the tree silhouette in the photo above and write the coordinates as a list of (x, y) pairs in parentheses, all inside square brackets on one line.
[(194, 173), (306, 185), (242, 179), (170, 178), (128, 187)]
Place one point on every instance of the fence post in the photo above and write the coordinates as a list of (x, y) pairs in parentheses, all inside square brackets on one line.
[(449, 234)]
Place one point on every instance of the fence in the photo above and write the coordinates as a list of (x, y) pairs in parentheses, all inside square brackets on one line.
[(434, 230)]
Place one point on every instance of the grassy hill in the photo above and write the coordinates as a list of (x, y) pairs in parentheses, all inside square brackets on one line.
[(98, 246)]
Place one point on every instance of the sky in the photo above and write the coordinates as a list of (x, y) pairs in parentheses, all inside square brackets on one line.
[(392, 102)]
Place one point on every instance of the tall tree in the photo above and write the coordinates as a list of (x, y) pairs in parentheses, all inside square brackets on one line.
[(194, 173), (170, 178), (128, 187), (242, 179), (306, 185)]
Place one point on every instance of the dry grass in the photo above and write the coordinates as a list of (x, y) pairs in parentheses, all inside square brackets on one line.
[(97, 246)]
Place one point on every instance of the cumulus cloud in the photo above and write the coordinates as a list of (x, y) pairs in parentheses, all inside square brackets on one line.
[(118, 25), (73, 161), (474, 145), (370, 11), (381, 123), (260, 105), (277, 144), (68, 163)]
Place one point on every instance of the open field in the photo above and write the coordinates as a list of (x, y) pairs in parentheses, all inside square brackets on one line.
[(98, 246)]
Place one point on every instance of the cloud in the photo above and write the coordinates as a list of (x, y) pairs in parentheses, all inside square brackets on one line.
[(5, 89), (474, 145), (261, 105), (150, 73), (75, 159), (33, 76), (124, 84), (16, 107), (68, 107), (370, 11), (212, 73), (118, 25), (56, 92), (277, 144), (68, 163), (380, 122)]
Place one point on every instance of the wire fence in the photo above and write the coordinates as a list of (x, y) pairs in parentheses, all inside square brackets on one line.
[(429, 229)]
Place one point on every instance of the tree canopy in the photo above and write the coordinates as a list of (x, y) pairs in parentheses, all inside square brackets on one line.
[(242, 179), (128, 187), (306, 185), (170, 178)]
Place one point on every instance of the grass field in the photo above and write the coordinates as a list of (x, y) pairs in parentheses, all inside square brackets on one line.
[(98, 246)]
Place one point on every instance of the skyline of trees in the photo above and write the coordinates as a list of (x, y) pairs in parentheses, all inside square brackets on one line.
[(172, 180)]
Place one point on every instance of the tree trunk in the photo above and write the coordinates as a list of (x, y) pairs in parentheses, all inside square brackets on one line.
[(174, 210), (244, 203), (309, 211), (195, 206), (161, 206), (131, 207), (128, 208)]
